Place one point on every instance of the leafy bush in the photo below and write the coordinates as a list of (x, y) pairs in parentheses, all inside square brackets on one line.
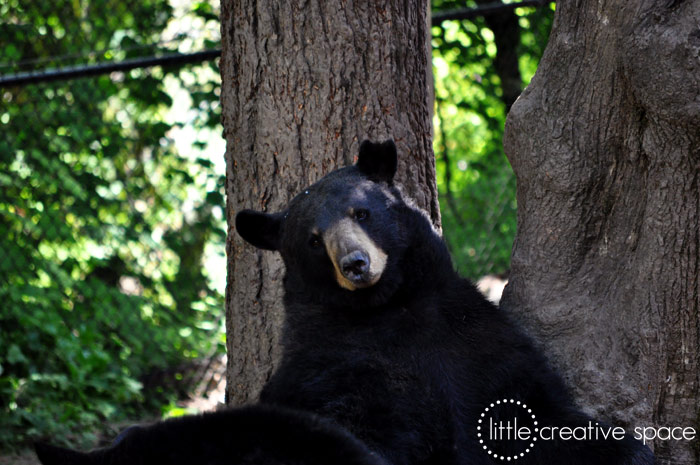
[(105, 226)]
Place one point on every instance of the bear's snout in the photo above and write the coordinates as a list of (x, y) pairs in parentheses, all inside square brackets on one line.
[(358, 262), (355, 266)]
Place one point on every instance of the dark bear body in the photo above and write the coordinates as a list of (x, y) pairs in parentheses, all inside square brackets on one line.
[(408, 355), (383, 338), (257, 435)]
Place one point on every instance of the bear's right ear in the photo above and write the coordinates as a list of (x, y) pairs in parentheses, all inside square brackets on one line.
[(260, 229), (54, 455), (378, 161)]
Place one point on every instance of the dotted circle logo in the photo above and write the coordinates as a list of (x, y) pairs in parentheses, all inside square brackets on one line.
[(485, 430)]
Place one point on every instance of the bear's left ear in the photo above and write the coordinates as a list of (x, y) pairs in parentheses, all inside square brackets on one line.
[(378, 161), (260, 229)]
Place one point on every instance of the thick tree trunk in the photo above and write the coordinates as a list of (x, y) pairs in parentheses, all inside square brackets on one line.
[(303, 84), (605, 144)]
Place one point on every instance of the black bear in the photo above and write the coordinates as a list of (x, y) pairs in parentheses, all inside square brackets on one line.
[(384, 337), (256, 435)]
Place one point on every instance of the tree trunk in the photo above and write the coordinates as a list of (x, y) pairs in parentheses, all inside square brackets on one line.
[(303, 83), (605, 144)]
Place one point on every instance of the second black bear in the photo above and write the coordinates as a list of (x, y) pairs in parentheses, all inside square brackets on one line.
[(383, 336), (256, 435)]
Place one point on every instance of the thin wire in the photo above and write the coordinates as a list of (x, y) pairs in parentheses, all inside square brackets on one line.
[(183, 58), (73, 72), (88, 54), (93, 53), (435, 19), (488, 9)]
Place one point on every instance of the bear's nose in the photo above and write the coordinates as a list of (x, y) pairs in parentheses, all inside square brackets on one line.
[(355, 265)]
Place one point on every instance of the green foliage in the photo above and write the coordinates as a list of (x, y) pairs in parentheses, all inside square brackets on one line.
[(475, 182), (105, 226)]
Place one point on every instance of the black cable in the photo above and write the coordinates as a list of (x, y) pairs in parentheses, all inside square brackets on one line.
[(185, 58), (483, 10), (90, 54), (105, 68)]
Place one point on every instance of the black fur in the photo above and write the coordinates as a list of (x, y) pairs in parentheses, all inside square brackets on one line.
[(259, 229), (409, 364), (378, 161), (256, 435)]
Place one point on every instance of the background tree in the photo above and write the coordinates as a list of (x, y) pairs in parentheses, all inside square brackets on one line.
[(303, 83), (480, 65), (605, 144)]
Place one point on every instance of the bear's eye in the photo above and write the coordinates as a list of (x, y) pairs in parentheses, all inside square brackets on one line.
[(315, 241), (361, 214)]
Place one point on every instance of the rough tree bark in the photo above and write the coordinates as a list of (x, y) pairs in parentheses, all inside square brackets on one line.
[(605, 144), (303, 83)]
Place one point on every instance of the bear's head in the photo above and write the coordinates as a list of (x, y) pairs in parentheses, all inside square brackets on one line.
[(343, 237)]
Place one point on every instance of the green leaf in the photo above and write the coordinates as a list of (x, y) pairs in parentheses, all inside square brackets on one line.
[(15, 355)]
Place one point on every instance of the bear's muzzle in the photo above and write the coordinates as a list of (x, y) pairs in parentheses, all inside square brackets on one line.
[(358, 261)]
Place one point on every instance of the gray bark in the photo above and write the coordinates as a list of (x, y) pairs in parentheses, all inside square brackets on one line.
[(605, 144), (303, 83)]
